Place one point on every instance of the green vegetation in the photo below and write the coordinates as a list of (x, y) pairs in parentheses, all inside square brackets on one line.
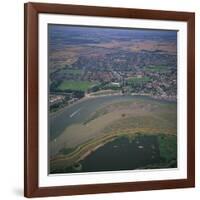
[(75, 85), (54, 85), (168, 147), (111, 87), (157, 68), (168, 152), (54, 108), (138, 80), (72, 71), (104, 86)]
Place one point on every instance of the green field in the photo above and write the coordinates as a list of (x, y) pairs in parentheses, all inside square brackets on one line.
[(168, 147), (72, 71), (157, 68), (75, 85), (167, 144), (138, 80)]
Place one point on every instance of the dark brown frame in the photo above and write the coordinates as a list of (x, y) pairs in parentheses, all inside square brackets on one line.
[(31, 187)]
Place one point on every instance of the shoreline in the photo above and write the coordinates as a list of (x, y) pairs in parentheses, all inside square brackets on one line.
[(87, 97), (95, 148), (90, 148)]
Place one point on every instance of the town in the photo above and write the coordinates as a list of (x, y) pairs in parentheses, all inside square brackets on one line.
[(150, 73)]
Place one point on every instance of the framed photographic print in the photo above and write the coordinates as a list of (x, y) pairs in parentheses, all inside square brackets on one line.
[(109, 99)]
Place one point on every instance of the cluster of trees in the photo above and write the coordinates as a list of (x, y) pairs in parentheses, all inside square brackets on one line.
[(65, 101), (54, 85), (68, 95), (104, 86)]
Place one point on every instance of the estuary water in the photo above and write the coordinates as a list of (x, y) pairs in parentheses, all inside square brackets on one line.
[(78, 112), (133, 154)]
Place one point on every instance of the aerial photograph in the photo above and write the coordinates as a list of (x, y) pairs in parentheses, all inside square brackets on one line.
[(112, 99)]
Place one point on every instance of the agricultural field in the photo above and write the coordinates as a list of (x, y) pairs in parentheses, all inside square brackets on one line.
[(75, 85), (159, 68), (138, 80)]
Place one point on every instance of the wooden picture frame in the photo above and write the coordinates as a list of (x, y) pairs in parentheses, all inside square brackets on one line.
[(31, 103)]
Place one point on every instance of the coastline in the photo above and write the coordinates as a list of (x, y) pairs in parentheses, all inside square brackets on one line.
[(87, 97), (83, 151)]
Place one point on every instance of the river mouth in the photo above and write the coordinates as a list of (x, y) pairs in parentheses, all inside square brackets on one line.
[(123, 153)]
